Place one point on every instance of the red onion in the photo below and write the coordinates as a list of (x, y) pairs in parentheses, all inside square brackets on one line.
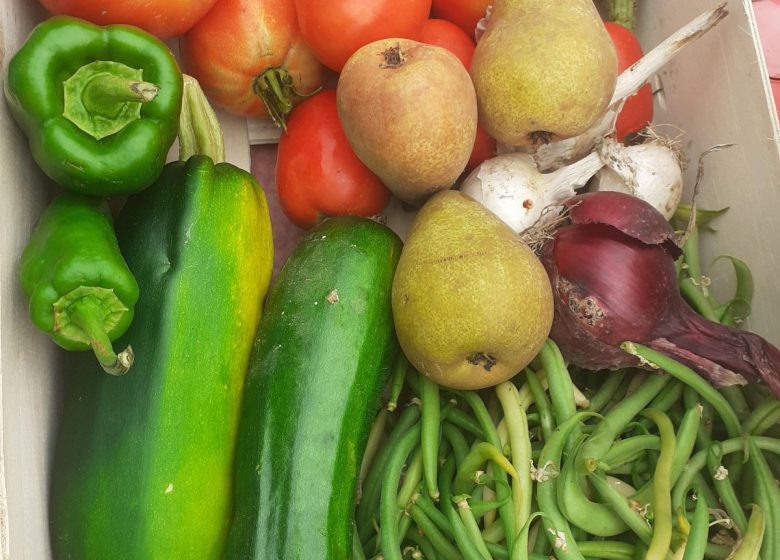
[(614, 280)]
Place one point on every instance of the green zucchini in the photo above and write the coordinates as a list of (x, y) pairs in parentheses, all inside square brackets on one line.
[(143, 466), (321, 359)]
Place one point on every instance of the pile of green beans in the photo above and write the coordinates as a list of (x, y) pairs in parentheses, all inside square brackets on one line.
[(576, 465)]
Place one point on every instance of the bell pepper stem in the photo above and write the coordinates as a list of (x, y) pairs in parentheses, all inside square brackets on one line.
[(103, 97), (87, 314), (104, 92), (199, 128)]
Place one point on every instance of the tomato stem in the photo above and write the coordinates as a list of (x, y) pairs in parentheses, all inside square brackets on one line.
[(622, 12), (275, 88)]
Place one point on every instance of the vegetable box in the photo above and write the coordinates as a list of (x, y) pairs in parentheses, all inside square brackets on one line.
[(715, 92)]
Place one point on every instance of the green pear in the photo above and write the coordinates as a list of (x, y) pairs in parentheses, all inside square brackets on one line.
[(472, 304), (543, 70)]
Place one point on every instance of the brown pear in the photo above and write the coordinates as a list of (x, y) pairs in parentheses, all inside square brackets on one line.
[(409, 111), (472, 304), (543, 70)]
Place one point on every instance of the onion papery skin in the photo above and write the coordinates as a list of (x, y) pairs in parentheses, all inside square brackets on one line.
[(614, 280)]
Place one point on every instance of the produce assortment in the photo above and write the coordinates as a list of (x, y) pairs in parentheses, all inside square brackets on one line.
[(495, 340)]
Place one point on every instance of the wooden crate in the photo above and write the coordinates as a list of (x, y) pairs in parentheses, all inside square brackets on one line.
[(717, 91)]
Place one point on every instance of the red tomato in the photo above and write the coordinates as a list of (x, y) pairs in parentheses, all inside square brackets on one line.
[(335, 30), (446, 34), (464, 13), (484, 148), (317, 173), (637, 111), (163, 18), (230, 49)]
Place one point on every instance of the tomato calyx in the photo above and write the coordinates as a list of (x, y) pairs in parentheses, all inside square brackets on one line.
[(276, 90)]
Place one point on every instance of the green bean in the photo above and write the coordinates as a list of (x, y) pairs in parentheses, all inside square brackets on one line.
[(460, 447), (593, 517), (465, 422), (743, 294), (662, 482), (634, 469), (557, 528), (520, 444), (480, 508), (766, 415), (425, 504), (506, 511), (774, 465), (521, 543), (699, 459), (686, 439), (767, 497), (397, 377), (479, 454), (635, 520), (373, 444), (638, 427), (388, 506), (404, 524), (717, 551), (369, 500), (687, 433), (431, 422), (541, 544), (692, 379), (626, 450), (434, 533), (498, 551), (642, 472), (357, 547), (666, 398), (459, 533), (697, 300), (640, 551), (424, 544), (620, 392), (721, 480), (615, 420), (493, 533), (411, 479), (542, 403), (694, 275), (636, 381), (470, 524), (608, 550), (750, 545), (559, 384), (696, 542), (372, 544), (489, 493), (733, 394)]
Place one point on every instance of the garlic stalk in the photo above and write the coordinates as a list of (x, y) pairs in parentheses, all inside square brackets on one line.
[(557, 154), (512, 187)]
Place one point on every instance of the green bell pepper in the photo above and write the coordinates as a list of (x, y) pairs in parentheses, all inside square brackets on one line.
[(99, 105), (80, 290)]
